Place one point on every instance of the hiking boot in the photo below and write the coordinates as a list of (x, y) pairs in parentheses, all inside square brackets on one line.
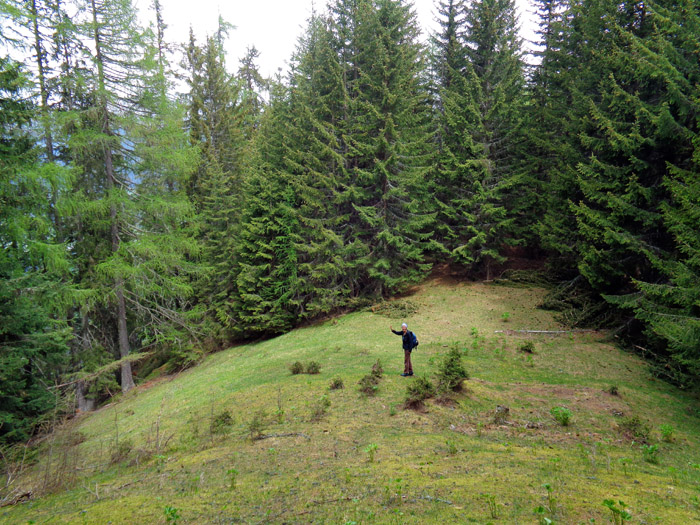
[(404, 375)]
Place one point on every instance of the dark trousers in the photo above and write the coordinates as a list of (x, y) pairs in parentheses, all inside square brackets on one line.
[(407, 366)]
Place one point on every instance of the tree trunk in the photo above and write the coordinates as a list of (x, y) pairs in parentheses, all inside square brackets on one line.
[(122, 331), (84, 404)]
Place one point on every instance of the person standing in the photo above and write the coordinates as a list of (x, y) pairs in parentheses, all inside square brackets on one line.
[(408, 345)]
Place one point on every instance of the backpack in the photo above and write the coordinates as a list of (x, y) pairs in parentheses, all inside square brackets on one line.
[(414, 340)]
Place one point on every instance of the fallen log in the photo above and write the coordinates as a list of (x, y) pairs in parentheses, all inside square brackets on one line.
[(542, 331)]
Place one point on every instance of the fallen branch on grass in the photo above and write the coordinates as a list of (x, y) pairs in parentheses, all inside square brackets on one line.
[(430, 498), (291, 434), (19, 498), (542, 331)]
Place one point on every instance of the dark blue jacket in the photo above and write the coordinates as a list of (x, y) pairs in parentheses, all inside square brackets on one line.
[(407, 339)]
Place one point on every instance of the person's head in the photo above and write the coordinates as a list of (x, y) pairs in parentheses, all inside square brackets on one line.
[(404, 327)]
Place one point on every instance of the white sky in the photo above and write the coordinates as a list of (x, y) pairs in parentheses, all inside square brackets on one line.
[(272, 26)]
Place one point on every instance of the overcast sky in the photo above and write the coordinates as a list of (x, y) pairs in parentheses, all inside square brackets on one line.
[(272, 26)]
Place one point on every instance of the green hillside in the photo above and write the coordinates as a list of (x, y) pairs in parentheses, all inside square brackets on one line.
[(240, 439)]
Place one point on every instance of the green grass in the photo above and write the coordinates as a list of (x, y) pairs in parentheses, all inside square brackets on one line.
[(450, 462)]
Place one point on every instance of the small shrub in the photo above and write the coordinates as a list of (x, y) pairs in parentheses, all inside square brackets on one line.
[(619, 515), (371, 449), (377, 369), (562, 415), (368, 385), (502, 414), (650, 453), (171, 514), (312, 367), (613, 390), (451, 373), (221, 423), (122, 451), (505, 317), (320, 407), (336, 384), (296, 368), (256, 425), (635, 428), (667, 433), (418, 391), (528, 347)]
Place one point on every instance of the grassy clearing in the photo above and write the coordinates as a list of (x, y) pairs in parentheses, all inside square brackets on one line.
[(335, 456)]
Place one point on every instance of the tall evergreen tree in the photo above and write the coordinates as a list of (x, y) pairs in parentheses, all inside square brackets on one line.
[(119, 138), (265, 300), (487, 199), (552, 151), (388, 144), (658, 80), (34, 270), (221, 127)]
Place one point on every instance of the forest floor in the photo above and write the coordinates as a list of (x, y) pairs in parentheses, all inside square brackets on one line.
[(240, 439)]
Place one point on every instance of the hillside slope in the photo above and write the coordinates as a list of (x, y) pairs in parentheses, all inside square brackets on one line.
[(181, 449)]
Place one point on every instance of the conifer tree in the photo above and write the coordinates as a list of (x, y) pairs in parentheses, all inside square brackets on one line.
[(487, 199), (636, 125), (130, 247), (265, 298), (34, 269), (220, 128), (552, 152), (388, 143), (659, 82)]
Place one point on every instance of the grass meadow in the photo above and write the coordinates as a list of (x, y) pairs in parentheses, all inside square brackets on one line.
[(584, 434)]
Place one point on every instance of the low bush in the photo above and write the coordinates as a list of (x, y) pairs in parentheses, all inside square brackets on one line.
[(221, 423), (562, 415), (528, 347), (336, 384), (312, 367), (296, 368), (320, 408), (633, 427), (418, 391), (368, 384), (377, 369), (451, 373)]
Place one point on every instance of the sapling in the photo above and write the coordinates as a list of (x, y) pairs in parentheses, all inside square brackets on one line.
[(667, 432), (371, 449), (551, 502), (651, 453), (619, 515), (491, 504), (171, 514)]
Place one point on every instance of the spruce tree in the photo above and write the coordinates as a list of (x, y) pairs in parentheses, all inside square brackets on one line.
[(264, 300), (34, 268), (636, 124), (388, 144), (487, 200), (220, 128), (665, 296)]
